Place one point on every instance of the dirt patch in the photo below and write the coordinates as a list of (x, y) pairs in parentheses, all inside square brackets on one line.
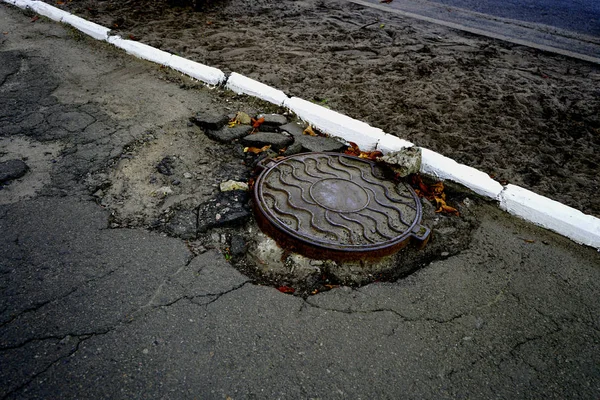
[(181, 182), (521, 115)]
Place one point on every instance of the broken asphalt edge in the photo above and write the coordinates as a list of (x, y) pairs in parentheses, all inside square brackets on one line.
[(540, 210)]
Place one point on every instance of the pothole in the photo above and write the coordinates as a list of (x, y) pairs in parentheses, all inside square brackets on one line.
[(336, 219)]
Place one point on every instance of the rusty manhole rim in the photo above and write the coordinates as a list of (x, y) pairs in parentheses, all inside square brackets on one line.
[(320, 249)]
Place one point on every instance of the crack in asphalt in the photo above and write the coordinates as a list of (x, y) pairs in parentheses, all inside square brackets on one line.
[(143, 310), (42, 304), (404, 318), (80, 339)]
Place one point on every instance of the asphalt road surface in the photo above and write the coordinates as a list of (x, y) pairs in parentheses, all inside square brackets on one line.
[(92, 311), (582, 16)]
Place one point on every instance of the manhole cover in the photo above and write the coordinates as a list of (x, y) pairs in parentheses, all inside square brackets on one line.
[(331, 205)]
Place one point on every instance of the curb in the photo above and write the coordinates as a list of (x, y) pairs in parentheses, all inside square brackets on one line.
[(540, 210)]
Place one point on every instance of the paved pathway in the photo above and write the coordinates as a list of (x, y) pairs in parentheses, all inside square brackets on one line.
[(582, 16), (568, 28), (92, 312)]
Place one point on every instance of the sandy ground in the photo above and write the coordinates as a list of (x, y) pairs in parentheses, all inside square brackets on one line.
[(523, 116)]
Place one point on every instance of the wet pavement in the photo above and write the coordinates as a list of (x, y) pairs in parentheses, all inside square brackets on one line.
[(90, 309)]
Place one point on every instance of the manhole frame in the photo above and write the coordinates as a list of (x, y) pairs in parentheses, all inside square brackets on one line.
[(290, 240)]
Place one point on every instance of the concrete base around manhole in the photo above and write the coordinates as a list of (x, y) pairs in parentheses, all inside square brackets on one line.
[(268, 263)]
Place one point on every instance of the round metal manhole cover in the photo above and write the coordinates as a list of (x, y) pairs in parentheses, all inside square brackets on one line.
[(330, 205)]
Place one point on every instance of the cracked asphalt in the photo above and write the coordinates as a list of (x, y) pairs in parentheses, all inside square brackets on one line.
[(87, 311)]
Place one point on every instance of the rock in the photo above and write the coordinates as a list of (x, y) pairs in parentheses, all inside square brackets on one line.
[(272, 119), (12, 169), (183, 224), (233, 185), (243, 118), (293, 148), (403, 162), (294, 128), (227, 134), (237, 246), (277, 141), (163, 191), (187, 175), (227, 209), (319, 144), (208, 121), (165, 166)]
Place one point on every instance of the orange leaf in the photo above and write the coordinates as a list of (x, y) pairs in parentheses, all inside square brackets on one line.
[(309, 131), (434, 192), (371, 155), (257, 122), (35, 18), (256, 150), (286, 289)]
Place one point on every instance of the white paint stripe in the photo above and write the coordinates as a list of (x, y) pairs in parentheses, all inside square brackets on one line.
[(141, 50), (550, 214), (443, 167), (89, 28), (243, 85), (540, 210), (204, 73)]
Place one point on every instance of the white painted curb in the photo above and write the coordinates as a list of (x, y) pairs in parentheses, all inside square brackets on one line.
[(242, 85), (141, 50), (48, 11), (550, 214), (339, 125), (442, 167), (204, 73), (19, 3), (540, 210), (89, 28)]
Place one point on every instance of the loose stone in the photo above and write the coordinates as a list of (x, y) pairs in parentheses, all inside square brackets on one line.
[(208, 121), (277, 141), (12, 169), (227, 134), (273, 119)]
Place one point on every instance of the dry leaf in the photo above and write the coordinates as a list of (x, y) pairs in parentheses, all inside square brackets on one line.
[(286, 289), (35, 18), (354, 150), (434, 192), (256, 123), (371, 155), (309, 131), (256, 150)]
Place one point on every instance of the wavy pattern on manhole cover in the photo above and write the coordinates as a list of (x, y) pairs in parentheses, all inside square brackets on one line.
[(335, 202)]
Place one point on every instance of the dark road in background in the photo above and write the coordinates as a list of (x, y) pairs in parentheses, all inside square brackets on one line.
[(581, 16)]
